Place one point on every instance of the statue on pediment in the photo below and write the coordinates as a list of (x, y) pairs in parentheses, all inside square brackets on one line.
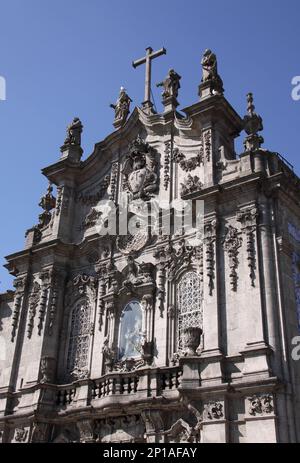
[(171, 84), (122, 108), (210, 71), (74, 131)]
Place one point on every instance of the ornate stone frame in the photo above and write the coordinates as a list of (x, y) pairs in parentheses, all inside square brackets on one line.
[(88, 293), (173, 309)]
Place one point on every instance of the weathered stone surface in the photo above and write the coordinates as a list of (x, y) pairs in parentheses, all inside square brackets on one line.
[(204, 325)]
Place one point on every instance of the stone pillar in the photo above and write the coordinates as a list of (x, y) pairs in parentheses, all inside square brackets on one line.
[(256, 351), (154, 425), (211, 354), (267, 269)]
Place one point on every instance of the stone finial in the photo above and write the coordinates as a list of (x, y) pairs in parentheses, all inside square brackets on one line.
[(252, 125), (71, 148), (47, 203), (171, 85), (211, 82), (122, 108)]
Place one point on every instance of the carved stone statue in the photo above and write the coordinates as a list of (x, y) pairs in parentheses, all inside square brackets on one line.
[(139, 171), (121, 108), (210, 71), (108, 354), (74, 131), (171, 84)]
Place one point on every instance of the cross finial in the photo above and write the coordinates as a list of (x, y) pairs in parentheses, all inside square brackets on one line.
[(150, 55)]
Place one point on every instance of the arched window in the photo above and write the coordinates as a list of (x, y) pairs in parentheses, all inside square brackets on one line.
[(189, 304), (130, 331), (79, 338)]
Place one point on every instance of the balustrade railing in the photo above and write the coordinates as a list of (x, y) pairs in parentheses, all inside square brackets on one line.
[(65, 396), (150, 382)]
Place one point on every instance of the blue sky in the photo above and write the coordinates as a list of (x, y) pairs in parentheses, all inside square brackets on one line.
[(69, 58)]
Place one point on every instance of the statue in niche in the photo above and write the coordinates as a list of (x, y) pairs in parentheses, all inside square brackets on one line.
[(130, 337), (139, 171), (122, 108), (210, 71), (74, 131), (171, 84)]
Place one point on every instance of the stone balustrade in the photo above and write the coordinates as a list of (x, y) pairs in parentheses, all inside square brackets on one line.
[(150, 382)]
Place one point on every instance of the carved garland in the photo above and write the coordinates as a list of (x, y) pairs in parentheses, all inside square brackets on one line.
[(64, 194), (207, 144), (188, 164), (20, 285), (248, 219), (210, 230), (53, 303), (167, 161), (34, 298), (232, 243), (113, 181)]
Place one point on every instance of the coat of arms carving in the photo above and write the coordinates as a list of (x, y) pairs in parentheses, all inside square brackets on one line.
[(140, 170)]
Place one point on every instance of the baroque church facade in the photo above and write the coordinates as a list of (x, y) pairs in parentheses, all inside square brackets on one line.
[(166, 336)]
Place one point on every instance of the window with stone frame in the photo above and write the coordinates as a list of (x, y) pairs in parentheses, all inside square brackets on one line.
[(79, 339), (189, 305), (130, 331)]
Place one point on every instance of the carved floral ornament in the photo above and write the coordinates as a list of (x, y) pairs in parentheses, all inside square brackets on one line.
[(20, 286), (213, 410), (248, 219), (21, 435), (191, 163), (34, 298), (232, 243), (261, 404), (210, 235)]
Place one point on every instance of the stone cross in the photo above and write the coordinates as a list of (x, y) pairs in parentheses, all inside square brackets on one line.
[(150, 55)]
